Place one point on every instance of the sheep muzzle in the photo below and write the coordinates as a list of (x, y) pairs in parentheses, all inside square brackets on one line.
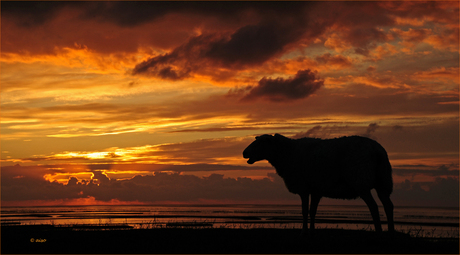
[(246, 155)]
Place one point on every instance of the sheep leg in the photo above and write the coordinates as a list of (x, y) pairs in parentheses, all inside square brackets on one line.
[(305, 202), (388, 206), (313, 207), (373, 208)]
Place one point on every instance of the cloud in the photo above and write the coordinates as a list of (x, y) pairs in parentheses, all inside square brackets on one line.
[(302, 85), (150, 188), (312, 132), (177, 64), (362, 38), (203, 151), (254, 44), (351, 96), (190, 154), (250, 45), (448, 39), (177, 187), (124, 14), (371, 130), (443, 73), (134, 23), (337, 60), (441, 171), (441, 192), (99, 176), (412, 35), (132, 14), (31, 14)]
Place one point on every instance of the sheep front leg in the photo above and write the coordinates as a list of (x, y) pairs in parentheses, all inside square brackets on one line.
[(305, 202)]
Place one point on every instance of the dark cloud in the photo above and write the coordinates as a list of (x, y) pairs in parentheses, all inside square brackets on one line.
[(164, 32), (31, 13), (152, 188), (169, 73), (72, 181), (302, 85), (189, 188), (179, 63), (250, 45), (35, 13), (99, 177), (260, 30), (135, 13), (254, 44), (34, 172), (128, 14)]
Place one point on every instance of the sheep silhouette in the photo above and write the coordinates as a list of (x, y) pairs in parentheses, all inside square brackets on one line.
[(344, 168)]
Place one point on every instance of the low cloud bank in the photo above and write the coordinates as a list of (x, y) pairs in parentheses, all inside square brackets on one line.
[(181, 188)]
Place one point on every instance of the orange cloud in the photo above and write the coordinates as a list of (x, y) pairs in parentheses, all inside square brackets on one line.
[(335, 42), (451, 73), (83, 58), (334, 62), (448, 40), (412, 35)]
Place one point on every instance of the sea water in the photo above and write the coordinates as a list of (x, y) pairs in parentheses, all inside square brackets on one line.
[(418, 221)]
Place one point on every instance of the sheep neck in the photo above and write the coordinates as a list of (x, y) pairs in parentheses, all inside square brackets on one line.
[(290, 154), (281, 164)]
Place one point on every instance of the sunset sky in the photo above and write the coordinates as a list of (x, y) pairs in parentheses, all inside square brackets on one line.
[(154, 102)]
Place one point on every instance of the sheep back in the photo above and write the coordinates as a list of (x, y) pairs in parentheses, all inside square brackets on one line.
[(337, 168)]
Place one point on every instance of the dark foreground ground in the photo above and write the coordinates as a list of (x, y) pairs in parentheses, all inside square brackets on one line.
[(46, 240)]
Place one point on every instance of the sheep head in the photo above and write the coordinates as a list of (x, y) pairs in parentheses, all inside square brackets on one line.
[(260, 149)]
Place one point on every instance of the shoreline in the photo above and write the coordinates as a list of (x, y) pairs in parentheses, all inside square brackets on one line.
[(50, 240), (230, 219)]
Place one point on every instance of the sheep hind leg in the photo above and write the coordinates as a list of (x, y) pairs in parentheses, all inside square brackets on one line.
[(388, 206), (373, 208)]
